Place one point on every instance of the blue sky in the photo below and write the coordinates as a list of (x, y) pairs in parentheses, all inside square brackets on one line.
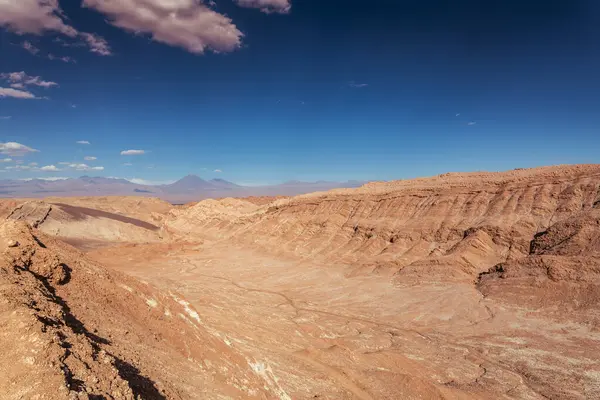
[(272, 90)]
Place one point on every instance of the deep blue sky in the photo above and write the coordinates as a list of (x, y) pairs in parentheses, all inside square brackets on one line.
[(332, 90)]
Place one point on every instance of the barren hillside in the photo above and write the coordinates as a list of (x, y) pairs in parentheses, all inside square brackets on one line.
[(459, 286), (451, 226)]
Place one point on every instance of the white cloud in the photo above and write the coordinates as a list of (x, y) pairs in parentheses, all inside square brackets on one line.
[(5, 117), (133, 152), (30, 47), (49, 168), (472, 123), (64, 163), (40, 16), (34, 16), (82, 142), (85, 167), (15, 149), (96, 44), (20, 167), (17, 94), (189, 24), (458, 115), (5, 160), (217, 171), (267, 6), (88, 158), (127, 164), (20, 80), (33, 164)]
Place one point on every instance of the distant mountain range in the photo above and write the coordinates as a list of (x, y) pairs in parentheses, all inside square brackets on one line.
[(189, 188)]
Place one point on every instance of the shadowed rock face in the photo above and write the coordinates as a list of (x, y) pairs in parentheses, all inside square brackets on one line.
[(81, 213), (73, 222)]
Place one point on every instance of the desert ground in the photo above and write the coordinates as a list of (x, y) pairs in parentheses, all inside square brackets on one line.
[(458, 286)]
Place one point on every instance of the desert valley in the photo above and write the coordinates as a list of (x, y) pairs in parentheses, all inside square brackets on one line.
[(458, 286), (299, 200)]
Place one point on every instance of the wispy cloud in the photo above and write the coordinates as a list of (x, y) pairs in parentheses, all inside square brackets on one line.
[(5, 117), (267, 6), (65, 59), (82, 142), (458, 115), (89, 158), (6, 160), (96, 44), (33, 50), (189, 24), (30, 47), (38, 17), (133, 152), (16, 149), (17, 94), (357, 85), (218, 171), (127, 164), (20, 80), (472, 123)]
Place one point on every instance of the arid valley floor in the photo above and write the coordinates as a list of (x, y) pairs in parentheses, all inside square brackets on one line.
[(459, 286)]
